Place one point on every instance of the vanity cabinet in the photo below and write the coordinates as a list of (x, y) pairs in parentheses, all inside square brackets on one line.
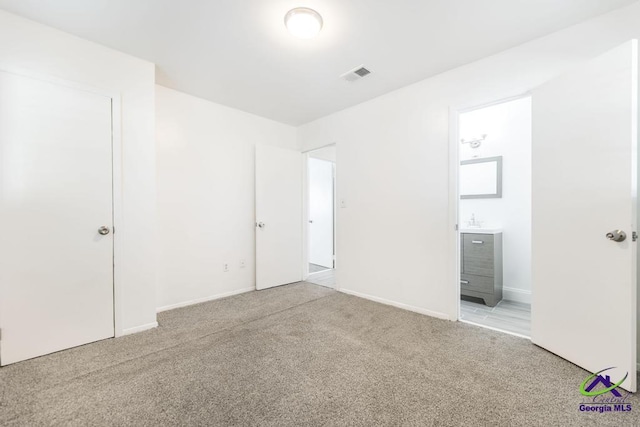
[(481, 266)]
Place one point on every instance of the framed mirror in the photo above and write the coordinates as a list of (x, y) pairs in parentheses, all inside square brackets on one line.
[(481, 178)]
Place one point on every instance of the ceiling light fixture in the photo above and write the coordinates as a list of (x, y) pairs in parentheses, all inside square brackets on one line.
[(303, 22)]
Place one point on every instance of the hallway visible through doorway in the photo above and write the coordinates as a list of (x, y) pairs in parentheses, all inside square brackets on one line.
[(321, 166)]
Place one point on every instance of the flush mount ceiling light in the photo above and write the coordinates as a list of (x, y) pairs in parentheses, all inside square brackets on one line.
[(303, 22)]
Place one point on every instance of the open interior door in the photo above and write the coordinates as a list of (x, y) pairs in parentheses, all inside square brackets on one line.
[(584, 185), (278, 216)]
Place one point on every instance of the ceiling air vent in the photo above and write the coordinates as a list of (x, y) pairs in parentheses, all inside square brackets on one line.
[(355, 74)]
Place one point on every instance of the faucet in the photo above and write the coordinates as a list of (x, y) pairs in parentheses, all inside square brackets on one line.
[(472, 222)]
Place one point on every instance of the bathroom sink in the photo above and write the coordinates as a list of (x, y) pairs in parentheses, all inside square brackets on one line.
[(481, 230)]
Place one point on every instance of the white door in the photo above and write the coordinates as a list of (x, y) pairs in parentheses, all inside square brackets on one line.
[(320, 212), (56, 270), (584, 186), (278, 216)]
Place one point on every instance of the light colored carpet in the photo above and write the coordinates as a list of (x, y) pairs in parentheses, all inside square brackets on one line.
[(300, 355)]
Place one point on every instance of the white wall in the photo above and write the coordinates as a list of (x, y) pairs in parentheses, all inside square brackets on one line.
[(325, 153), (395, 234), (34, 48), (206, 185), (508, 129)]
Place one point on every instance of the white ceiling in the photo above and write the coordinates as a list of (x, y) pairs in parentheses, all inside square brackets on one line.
[(238, 52)]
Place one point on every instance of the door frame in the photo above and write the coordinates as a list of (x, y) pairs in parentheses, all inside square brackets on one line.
[(454, 200), (305, 212), (116, 175)]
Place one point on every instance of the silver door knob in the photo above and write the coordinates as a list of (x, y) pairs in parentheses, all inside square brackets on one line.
[(103, 230), (261, 225), (616, 235)]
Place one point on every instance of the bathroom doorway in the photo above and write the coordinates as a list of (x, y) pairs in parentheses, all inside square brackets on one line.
[(494, 215), (321, 212)]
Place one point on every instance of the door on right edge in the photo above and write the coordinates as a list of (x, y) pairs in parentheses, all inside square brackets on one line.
[(584, 185)]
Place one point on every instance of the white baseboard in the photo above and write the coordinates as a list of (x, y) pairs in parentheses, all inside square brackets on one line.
[(517, 295), (431, 313), (140, 328), (205, 299)]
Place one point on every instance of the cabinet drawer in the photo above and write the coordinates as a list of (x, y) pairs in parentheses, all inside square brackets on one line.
[(476, 283), (477, 254)]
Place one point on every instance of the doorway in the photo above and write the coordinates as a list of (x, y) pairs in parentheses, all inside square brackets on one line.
[(494, 215), (320, 201), (584, 180)]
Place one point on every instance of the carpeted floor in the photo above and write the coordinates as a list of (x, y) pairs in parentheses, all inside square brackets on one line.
[(301, 355)]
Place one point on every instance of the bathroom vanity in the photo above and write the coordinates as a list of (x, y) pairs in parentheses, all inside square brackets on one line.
[(481, 264)]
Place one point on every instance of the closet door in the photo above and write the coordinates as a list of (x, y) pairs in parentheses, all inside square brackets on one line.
[(584, 189), (56, 268)]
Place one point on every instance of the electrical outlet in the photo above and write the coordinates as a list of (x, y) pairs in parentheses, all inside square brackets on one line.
[(225, 267), (243, 264)]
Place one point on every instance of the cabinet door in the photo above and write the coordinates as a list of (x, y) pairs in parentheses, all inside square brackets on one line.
[(477, 253), (462, 254), (477, 283)]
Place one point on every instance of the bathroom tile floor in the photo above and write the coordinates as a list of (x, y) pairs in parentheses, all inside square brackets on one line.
[(323, 278), (315, 268), (508, 316)]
